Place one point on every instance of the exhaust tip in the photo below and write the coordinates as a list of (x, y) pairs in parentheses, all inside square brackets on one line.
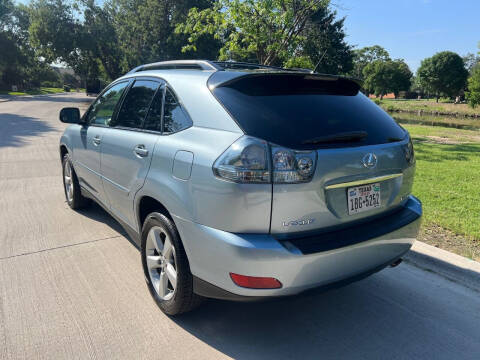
[(396, 263)]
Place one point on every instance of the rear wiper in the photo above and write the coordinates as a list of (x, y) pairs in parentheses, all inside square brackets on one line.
[(344, 137)]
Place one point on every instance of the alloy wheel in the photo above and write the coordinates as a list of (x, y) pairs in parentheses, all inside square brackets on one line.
[(161, 262), (68, 181)]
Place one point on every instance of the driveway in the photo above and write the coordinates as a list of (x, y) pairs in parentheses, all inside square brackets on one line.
[(71, 285)]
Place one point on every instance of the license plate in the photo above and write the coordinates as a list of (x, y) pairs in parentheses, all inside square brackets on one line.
[(363, 198)]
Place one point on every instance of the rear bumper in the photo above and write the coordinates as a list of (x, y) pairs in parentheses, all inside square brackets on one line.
[(213, 254)]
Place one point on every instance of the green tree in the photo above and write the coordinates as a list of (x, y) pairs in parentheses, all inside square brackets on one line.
[(7, 43), (59, 36), (299, 62), (470, 60), (145, 30), (383, 77), (268, 31), (6, 8), (19, 64), (402, 77), (54, 30), (104, 41), (364, 56), (473, 93), (98, 41), (417, 86), (323, 43), (443, 74)]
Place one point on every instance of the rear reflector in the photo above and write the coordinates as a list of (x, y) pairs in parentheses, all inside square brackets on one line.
[(254, 282)]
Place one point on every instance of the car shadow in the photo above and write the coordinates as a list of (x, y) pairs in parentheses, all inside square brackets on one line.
[(97, 213), (15, 128), (363, 320)]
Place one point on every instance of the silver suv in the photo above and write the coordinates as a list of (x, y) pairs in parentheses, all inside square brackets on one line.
[(240, 181)]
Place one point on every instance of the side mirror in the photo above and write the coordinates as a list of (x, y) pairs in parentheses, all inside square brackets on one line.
[(70, 115)]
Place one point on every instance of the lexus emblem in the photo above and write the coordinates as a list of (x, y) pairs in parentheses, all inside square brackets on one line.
[(369, 161)]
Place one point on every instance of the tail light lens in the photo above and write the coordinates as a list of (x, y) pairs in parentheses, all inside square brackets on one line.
[(409, 152), (245, 161), (290, 166), (251, 160)]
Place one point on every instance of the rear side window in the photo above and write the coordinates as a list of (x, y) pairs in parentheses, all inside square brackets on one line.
[(136, 104), (102, 110), (154, 118), (292, 110), (174, 118)]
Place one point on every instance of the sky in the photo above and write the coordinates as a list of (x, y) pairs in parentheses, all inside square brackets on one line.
[(412, 29)]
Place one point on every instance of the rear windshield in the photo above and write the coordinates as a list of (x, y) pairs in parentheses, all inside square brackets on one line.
[(306, 112)]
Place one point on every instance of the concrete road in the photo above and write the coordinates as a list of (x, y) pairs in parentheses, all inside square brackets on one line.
[(71, 285)]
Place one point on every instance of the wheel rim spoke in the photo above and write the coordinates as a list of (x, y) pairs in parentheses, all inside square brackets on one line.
[(163, 285), (156, 240), (172, 275), (167, 248), (153, 262), (68, 181)]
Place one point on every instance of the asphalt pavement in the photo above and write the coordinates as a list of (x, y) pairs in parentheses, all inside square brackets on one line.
[(72, 287)]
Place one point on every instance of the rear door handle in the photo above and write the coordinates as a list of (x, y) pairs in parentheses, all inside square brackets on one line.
[(97, 140), (140, 151)]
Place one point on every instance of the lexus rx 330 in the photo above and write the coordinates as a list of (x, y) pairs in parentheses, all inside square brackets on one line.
[(244, 182)]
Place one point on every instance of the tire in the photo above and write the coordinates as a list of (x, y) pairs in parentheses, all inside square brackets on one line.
[(73, 194), (163, 256)]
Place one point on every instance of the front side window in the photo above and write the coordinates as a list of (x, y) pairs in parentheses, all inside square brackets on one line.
[(174, 117), (102, 110), (136, 104)]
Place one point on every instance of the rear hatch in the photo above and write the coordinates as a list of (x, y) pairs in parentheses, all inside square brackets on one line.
[(364, 160)]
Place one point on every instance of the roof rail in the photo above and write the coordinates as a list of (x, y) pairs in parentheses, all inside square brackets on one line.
[(177, 64), (209, 65), (243, 65)]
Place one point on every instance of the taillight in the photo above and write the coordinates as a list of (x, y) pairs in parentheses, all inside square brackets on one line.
[(245, 161), (409, 152), (290, 166), (251, 160)]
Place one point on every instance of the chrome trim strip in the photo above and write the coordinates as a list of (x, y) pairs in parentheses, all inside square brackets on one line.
[(363, 182)]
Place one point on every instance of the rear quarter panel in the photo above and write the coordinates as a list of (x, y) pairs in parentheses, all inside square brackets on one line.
[(205, 199)]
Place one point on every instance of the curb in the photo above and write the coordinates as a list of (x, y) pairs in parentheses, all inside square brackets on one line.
[(451, 266)]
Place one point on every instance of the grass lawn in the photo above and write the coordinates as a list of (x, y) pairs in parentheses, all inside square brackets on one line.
[(448, 179), (41, 91), (438, 120), (429, 106)]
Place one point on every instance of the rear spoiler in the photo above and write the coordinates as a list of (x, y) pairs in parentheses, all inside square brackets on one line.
[(226, 78)]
